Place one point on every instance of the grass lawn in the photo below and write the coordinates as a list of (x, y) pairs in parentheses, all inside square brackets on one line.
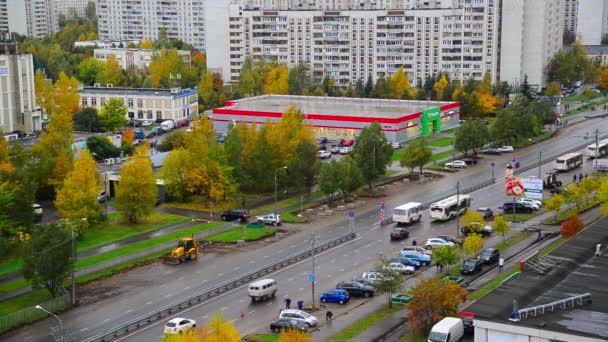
[(519, 217), (21, 302), (440, 168), (512, 241), (365, 323), (286, 203), (242, 233), (564, 214), (443, 155), (13, 286), (397, 155), (291, 218), (112, 270), (262, 338), (441, 142), (489, 287)]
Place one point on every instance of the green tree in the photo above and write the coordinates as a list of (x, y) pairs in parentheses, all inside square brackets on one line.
[(360, 90), (473, 244), (102, 148), (173, 174), (446, 255), (47, 258), (23, 184), (174, 140), (500, 226), (382, 88), (304, 166), (389, 282), (298, 79), (526, 89), (372, 152), (416, 154), (111, 73), (369, 86), (553, 89), (260, 174), (7, 229), (87, 120), (554, 203), (247, 84), (329, 178), (113, 115), (471, 137), (137, 192), (88, 70), (233, 147), (350, 176)]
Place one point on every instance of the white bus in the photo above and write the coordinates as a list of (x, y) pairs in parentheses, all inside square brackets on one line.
[(407, 213), (450, 207), (592, 152), (568, 162)]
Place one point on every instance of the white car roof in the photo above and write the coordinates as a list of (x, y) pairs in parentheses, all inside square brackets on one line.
[(177, 320), (262, 282)]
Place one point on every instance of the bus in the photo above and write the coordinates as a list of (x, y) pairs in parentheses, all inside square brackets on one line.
[(601, 151), (407, 213), (450, 207), (568, 162)]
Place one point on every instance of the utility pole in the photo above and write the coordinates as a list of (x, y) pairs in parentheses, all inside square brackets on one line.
[(313, 269), (597, 147), (457, 208), (107, 190), (275, 195), (540, 158), (74, 265)]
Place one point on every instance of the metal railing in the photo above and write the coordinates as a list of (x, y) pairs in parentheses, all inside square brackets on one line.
[(215, 291), (563, 304), (31, 314)]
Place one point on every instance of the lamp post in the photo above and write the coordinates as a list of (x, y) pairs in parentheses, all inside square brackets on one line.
[(275, 196), (38, 307)]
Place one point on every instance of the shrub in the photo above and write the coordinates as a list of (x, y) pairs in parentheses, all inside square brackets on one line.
[(571, 226)]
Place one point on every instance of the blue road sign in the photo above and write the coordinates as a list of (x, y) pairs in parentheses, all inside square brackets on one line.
[(492, 164), (312, 278), (351, 214)]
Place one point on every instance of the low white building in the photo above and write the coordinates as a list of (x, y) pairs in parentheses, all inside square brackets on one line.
[(146, 104), (139, 59)]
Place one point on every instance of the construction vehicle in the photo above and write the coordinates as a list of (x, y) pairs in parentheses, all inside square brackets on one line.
[(187, 249)]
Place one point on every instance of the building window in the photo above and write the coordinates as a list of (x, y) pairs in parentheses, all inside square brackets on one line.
[(93, 101), (85, 101), (140, 114), (159, 114), (130, 103), (149, 116), (140, 103), (103, 101)]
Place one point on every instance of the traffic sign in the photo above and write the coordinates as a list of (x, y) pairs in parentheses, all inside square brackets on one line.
[(312, 278), (492, 164), (351, 214)]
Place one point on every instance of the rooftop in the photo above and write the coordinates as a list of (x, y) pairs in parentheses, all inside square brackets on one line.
[(377, 108), (139, 91), (578, 271)]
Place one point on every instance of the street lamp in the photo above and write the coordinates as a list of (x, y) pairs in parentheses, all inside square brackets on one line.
[(275, 195), (38, 307)]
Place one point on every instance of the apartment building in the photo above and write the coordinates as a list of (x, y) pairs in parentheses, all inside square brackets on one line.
[(137, 20), (39, 18), (4, 16), (146, 104), (570, 17), (18, 110), (592, 21), (139, 59)]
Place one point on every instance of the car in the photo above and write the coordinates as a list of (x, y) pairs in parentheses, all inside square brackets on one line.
[(348, 143), (363, 281), (137, 142), (335, 296), (518, 207), (489, 255), (321, 147), (324, 154), (300, 316), (357, 289), (335, 149), (399, 234), (436, 242), (156, 131), (532, 202), (424, 259), (102, 197), (38, 212), (450, 238), (396, 146), (417, 249), (506, 149), (235, 214), (470, 161), (469, 327), (476, 227), (401, 268), (345, 150), (220, 138), (471, 266), (270, 219), (183, 123), (371, 277), (491, 151), (406, 261), (558, 190), (179, 325), (146, 123), (287, 323), (513, 164), (578, 84), (456, 164), (322, 140), (485, 212)]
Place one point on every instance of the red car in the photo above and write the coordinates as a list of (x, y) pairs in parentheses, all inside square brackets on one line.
[(184, 123)]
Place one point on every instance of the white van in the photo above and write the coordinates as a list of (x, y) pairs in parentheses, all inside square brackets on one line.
[(262, 289), (407, 213), (167, 125), (447, 330)]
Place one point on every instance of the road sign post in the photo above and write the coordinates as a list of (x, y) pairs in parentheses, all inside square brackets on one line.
[(351, 217), (493, 164), (381, 210)]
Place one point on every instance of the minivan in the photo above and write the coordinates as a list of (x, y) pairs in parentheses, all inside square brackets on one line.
[(262, 289), (447, 330)]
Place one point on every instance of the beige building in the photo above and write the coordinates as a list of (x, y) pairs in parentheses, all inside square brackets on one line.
[(135, 58)]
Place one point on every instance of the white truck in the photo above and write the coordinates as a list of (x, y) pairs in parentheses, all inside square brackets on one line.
[(167, 125), (600, 165)]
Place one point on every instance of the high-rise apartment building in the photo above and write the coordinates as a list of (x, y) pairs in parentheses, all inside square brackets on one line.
[(137, 20), (42, 16), (570, 17), (3, 16), (592, 21)]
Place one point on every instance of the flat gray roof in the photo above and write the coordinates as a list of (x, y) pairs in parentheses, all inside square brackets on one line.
[(578, 271), (137, 91), (378, 108)]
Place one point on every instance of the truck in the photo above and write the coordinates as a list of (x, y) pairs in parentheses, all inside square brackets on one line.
[(167, 125), (139, 134), (600, 165)]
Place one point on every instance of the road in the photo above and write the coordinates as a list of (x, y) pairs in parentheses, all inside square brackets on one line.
[(152, 287)]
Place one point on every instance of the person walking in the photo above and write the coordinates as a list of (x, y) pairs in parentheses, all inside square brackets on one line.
[(501, 264), (413, 242), (580, 177), (300, 304), (574, 178), (329, 315), (287, 303)]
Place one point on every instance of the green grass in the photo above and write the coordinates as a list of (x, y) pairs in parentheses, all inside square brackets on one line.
[(25, 301), (242, 233), (291, 218), (440, 168), (443, 155), (564, 214), (494, 283), (286, 203), (10, 265), (441, 142), (519, 217), (13, 286), (364, 323), (262, 338), (521, 236), (112, 270), (397, 155)]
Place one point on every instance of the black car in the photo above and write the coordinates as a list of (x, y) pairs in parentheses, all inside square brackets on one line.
[(155, 132), (469, 161), (507, 207), (485, 212), (356, 289), (484, 231), (235, 214), (322, 147), (493, 151), (363, 281), (469, 327), (322, 140), (489, 255), (286, 323), (471, 266), (399, 234), (219, 138)]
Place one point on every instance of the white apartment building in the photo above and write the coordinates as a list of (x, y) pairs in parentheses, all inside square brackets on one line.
[(139, 59), (460, 38), (137, 20), (18, 109), (42, 16), (570, 16), (146, 104), (592, 21), (532, 33), (4, 16)]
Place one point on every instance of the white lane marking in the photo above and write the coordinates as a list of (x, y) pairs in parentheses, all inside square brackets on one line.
[(252, 261), (332, 261), (84, 329), (204, 281), (269, 304), (292, 246), (163, 285), (205, 317), (180, 278), (224, 308), (186, 288), (301, 289), (251, 312), (329, 276), (280, 251), (148, 303), (266, 256), (106, 320), (290, 279), (236, 268), (241, 301), (220, 274), (128, 311), (232, 320), (199, 272), (341, 270)]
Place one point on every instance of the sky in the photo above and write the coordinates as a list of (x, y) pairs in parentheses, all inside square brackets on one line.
[(16, 16)]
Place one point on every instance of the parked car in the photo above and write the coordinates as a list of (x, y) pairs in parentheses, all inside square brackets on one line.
[(396, 146), (167, 125), (485, 231), (270, 219), (335, 149), (450, 238), (156, 131), (146, 123), (235, 214), (363, 281), (437, 242), (489, 255), (300, 316), (506, 149), (345, 150), (287, 323), (531, 202), (424, 259), (183, 123), (322, 140), (335, 296), (417, 249), (38, 212), (102, 197), (356, 289), (324, 154), (471, 266), (470, 161), (371, 277), (322, 147), (406, 261), (179, 325), (139, 134), (399, 234), (508, 207), (469, 327), (220, 138), (491, 151), (401, 268), (485, 212), (456, 164)]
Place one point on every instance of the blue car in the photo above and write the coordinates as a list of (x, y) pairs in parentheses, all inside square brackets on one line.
[(424, 259), (406, 261), (335, 296)]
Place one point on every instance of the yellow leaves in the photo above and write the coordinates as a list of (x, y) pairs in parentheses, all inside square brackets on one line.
[(440, 85), (487, 102), (136, 193), (205, 87), (186, 336), (433, 299), (292, 335), (146, 44), (220, 330), (400, 84), (473, 244), (276, 80), (111, 73), (603, 78), (472, 218), (77, 198), (553, 89), (164, 65)]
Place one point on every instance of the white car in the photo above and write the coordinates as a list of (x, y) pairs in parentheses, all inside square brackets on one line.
[(530, 203), (335, 149), (324, 154), (345, 150), (179, 325), (300, 316), (457, 164), (418, 249), (371, 276), (396, 146), (437, 242), (506, 149), (401, 268), (270, 219), (146, 123)]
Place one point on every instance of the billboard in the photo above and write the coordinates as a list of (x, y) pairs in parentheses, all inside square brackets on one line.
[(514, 187), (533, 187)]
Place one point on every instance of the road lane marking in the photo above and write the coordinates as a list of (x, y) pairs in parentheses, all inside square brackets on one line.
[(251, 312), (224, 308), (106, 320), (84, 329), (241, 301), (186, 288), (292, 246), (148, 303), (341, 270), (205, 317), (252, 261), (266, 256), (301, 289), (220, 274), (128, 311), (181, 278), (199, 272), (204, 281), (163, 285), (279, 251), (290, 279), (236, 268), (232, 320), (269, 304)]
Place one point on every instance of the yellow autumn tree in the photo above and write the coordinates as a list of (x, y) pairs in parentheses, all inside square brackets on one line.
[(5, 164), (136, 192), (440, 86), (400, 84), (602, 81), (553, 89), (146, 44), (484, 93), (473, 220), (77, 198), (202, 136), (128, 136), (220, 330), (186, 336), (166, 64), (286, 134), (43, 91), (276, 81), (111, 73), (293, 335), (205, 87), (473, 244)]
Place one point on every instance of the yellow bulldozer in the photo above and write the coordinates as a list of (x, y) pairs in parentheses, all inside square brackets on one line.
[(187, 249)]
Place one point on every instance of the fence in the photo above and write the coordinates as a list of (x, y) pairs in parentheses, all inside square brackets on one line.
[(31, 314)]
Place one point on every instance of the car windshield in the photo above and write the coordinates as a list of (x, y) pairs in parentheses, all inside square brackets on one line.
[(170, 324), (470, 263), (437, 337), (304, 314), (486, 253)]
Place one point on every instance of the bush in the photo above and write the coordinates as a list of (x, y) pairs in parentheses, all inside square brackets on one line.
[(102, 148), (173, 140), (571, 226)]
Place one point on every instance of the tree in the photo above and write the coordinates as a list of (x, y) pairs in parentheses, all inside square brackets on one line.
[(473, 244), (440, 86), (602, 78), (329, 178), (372, 152), (47, 259), (473, 220), (293, 335), (111, 73), (471, 137), (446, 255), (260, 175), (416, 154), (577, 193), (173, 174), (89, 69), (350, 177), (136, 193), (220, 330), (389, 281), (360, 91), (526, 89), (87, 120), (571, 226), (304, 165), (298, 79), (554, 203), (113, 115), (433, 299), (553, 89), (146, 44), (91, 11), (247, 84), (77, 199), (233, 147), (369, 86), (500, 226), (329, 85), (400, 84), (102, 148), (382, 88), (127, 137), (174, 140), (318, 91)]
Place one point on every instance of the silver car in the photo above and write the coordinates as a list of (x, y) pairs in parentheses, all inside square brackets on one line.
[(270, 219)]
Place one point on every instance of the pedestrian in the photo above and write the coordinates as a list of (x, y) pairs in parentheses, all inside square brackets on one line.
[(287, 303), (580, 177), (413, 242), (437, 266), (329, 315), (539, 235), (574, 178), (300, 304), (585, 176), (501, 264)]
